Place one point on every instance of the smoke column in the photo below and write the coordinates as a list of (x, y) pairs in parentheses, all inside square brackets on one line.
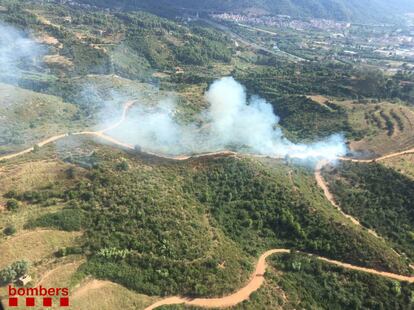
[(231, 122)]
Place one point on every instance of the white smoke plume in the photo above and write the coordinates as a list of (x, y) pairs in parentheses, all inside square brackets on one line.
[(232, 122), (17, 53)]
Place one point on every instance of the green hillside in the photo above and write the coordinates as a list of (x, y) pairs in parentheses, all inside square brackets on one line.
[(163, 227), (366, 192), (140, 227)]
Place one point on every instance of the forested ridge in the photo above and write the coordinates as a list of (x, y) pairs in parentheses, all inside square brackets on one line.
[(226, 210), (380, 197)]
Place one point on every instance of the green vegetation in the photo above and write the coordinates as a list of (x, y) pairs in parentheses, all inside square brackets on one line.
[(379, 197), (378, 10), (67, 220), (12, 205), (306, 119), (13, 272), (273, 77), (227, 210), (149, 36), (298, 281), (9, 230), (312, 284), (196, 227)]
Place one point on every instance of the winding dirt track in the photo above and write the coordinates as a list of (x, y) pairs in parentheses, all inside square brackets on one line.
[(321, 183), (329, 196), (410, 151), (256, 282), (100, 134), (324, 186), (257, 277)]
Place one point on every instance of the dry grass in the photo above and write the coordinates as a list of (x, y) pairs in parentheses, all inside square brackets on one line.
[(27, 176), (25, 214), (30, 175), (49, 40), (26, 117), (59, 274), (320, 100), (105, 295), (34, 246), (58, 61), (377, 139), (24, 176), (402, 164)]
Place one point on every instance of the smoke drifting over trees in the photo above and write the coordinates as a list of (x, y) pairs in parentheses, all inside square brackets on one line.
[(231, 122)]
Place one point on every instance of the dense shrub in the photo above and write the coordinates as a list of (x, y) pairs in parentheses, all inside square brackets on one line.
[(9, 230), (12, 205), (13, 272)]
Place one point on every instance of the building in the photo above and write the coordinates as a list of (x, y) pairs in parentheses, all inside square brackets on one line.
[(24, 280)]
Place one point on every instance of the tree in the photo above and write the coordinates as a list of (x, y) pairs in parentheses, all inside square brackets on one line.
[(7, 275), (122, 166), (12, 205), (9, 230), (11, 194), (20, 267), (70, 173)]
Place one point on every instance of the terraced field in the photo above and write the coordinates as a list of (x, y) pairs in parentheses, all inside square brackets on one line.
[(388, 127), (384, 127)]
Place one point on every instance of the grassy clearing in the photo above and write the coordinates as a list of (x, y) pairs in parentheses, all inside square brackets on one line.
[(109, 86), (33, 246), (25, 214), (378, 127), (402, 164), (28, 117), (30, 175)]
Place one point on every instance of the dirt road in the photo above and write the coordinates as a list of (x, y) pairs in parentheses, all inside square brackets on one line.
[(99, 134), (321, 183), (125, 110), (91, 285), (256, 281), (257, 277), (127, 105), (410, 151)]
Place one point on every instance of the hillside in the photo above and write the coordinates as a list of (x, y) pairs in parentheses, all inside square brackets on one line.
[(353, 10), (149, 161)]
